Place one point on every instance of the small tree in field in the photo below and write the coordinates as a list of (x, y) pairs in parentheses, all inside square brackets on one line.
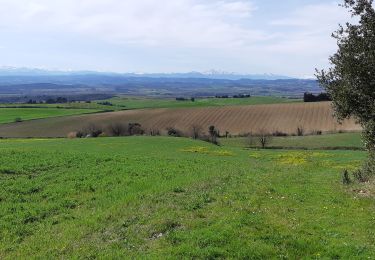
[(213, 132), (117, 129), (264, 138), (196, 131), (250, 140), (350, 81)]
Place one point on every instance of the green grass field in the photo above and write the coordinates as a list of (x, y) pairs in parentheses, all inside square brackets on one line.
[(127, 102), (140, 102), (145, 197), (72, 105), (8, 115), (329, 141)]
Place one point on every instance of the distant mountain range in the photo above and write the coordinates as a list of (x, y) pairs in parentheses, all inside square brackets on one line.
[(35, 82), (212, 74)]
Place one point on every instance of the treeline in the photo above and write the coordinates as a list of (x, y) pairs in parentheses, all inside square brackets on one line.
[(58, 100), (234, 96), (185, 99), (135, 129), (309, 97)]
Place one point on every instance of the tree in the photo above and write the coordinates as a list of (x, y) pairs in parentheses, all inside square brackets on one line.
[(196, 131), (350, 81), (135, 129), (250, 140), (213, 134), (264, 138), (117, 129)]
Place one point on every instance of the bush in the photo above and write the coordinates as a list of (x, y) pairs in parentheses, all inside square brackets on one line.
[(18, 120), (367, 172), (300, 131), (196, 131), (105, 103), (154, 132), (80, 134), (250, 140), (279, 133), (171, 131), (92, 130), (72, 135), (117, 129), (135, 129), (309, 97), (346, 178), (214, 134)]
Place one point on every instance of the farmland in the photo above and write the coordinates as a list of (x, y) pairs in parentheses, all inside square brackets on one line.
[(122, 102), (142, 102), (234, 119), (8, 115), (331, 141), (158, 197)]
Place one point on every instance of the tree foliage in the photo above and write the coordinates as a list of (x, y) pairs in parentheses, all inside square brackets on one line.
[(351, 79)]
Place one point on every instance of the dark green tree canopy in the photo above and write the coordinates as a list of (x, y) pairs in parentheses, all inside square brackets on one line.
[(351, 79)]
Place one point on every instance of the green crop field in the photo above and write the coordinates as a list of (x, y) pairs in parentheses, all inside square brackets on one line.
[(8, 115), (158, 197), (70, 105), (141, 102), (329, 141)]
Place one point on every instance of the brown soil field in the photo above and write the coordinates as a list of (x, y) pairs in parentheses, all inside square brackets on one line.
[(236, 120)]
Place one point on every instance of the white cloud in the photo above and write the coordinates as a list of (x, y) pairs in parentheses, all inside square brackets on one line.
[(177, 34), (187, 23), (308, 29)]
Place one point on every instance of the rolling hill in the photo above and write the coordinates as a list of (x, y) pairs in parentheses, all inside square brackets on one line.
[(236, 120)]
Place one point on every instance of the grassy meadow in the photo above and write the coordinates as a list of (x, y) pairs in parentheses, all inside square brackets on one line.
[(142, 102), (9, 115), (159, 197), (328, 141)]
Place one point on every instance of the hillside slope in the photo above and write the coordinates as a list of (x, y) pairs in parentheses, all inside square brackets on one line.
[(174, 198), (234, 119)]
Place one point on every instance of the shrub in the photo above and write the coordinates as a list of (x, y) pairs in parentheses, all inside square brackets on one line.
[(196, 131), (346, 178), (105, 103), (117, 129), (18, 120), (367, 171), (279, 133), (250, 140), (154, 132), (361, 175), (214, 133), (135, 129), (80, 134), (300, 131), (171, 131), (72, 135), (92, 130), (317, 132)]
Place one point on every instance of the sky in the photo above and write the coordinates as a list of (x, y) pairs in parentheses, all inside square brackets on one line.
[(285, 37)]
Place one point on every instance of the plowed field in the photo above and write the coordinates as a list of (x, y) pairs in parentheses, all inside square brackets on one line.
[(235, 119)]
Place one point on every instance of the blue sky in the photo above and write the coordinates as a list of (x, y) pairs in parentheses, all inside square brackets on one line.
[(287, 37)]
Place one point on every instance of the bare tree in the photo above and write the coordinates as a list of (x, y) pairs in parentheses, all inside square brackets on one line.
[(250, 140), (264, 138), (214, 133), (93, 130), (154, 132), (135, 129), (196, 131), (300, 130), (117, 129)]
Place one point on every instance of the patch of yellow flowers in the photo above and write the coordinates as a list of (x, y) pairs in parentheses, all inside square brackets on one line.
[(205, 150)]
